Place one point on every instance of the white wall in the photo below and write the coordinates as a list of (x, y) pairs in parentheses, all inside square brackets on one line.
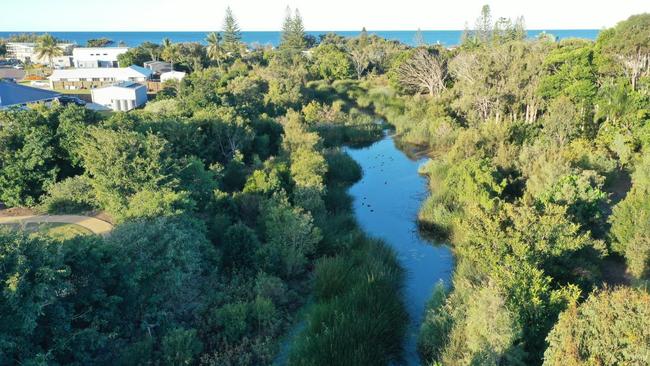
[(120, 98), (92, 57)]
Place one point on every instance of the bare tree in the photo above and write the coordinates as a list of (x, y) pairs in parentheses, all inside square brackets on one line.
[(635, 66), (423, 72), (360, 60)]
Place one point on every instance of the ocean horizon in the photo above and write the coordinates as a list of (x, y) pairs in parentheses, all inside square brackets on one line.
[(443, 37)]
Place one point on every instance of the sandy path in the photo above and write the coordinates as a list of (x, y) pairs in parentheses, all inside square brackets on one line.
[(95, 225)]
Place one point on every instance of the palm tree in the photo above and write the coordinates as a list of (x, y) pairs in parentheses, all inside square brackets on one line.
[(215, 50), (170, 52), (47, 47)]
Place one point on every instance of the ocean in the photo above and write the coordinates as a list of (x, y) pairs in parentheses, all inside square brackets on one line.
[(444, 37)]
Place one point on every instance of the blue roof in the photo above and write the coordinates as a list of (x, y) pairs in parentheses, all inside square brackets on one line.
[(141, 70), (16, 94)]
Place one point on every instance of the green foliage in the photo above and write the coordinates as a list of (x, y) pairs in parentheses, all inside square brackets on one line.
[(330, 63), (34, 280), (71, 195), (134, 56), (290, 238), (293, 32), (355, 301), (99, 42), (630, 223), (181, 347), (31, 156), (231, 33), (627, 46), (610, 328), (123, 163)]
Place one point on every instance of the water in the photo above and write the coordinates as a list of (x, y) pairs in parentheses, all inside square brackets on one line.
[(444, 37), (386, 203)]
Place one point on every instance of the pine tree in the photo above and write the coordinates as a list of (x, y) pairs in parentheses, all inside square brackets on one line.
[(484, 25), (418, 39), (231, 32), (363, 37), (293, 31)]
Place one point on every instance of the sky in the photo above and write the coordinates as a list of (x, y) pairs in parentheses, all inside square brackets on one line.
[(322, 15)]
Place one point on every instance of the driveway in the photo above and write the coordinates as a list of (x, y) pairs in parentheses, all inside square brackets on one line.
[(95, 225)]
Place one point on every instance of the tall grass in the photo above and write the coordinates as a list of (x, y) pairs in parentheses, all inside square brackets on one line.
[(357, 317)]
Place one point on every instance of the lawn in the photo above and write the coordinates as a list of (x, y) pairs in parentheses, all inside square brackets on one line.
[(54, 230)]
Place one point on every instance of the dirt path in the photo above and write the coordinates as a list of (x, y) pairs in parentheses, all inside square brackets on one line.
[(95, 225)]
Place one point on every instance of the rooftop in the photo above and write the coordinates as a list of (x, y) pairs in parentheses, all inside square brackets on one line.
[(16, 94), (106, 72)]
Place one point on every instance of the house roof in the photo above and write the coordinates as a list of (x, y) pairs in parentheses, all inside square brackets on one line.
[(16, 94), (121, 85), (177, 74), (100, 49), (106, 72)]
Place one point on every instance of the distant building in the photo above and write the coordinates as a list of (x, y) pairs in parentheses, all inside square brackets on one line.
[(97, 57), (74, 79), (172, 75), (26, 52), (123, 96), (158, 67), (16, 95)]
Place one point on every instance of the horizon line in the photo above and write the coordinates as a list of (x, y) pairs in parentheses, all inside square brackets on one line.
[(275, 31)]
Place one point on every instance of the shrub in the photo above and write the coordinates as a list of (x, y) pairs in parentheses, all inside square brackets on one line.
[(71, 195), (610, 328)]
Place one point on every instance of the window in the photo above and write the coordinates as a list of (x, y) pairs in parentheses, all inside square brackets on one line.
[(96, 79)]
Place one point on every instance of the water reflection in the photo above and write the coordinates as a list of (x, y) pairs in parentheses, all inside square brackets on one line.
[(386, 203)]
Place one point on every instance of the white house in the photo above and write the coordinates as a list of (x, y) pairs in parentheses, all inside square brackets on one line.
[(97, 77), (122, 96), (26, 52), (172, 75), (95, 57)]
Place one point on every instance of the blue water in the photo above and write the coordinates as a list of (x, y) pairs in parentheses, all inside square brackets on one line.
[(386, 202), (444, 37)]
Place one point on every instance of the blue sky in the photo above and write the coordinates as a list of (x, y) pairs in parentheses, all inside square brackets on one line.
[(190, 15)]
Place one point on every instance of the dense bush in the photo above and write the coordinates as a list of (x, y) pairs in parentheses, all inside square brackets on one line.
[(71, 195), (609, 328)]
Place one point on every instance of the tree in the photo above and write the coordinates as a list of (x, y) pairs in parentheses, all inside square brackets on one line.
[(3, 48), (99, 42), (123, 163), (47, 47), (360, 60), (423, 72), (631, 223), (30, 156), (418, 39), (35, 280), (291, 238), (629, 44), (231, 33), (215, 49), (192, 55), (610, 328), (171, 52), (331, 64), (135, 56), (484, 25), (293, 32)]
